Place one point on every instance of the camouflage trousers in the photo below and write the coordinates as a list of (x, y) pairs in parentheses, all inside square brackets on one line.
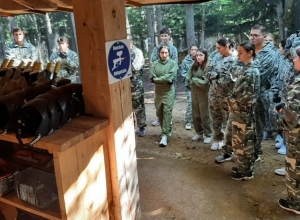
[(292, 167), (243, 141), (271, 119), (188, 113), (260, 112), (219, 116), (138, 104), (227, 147)]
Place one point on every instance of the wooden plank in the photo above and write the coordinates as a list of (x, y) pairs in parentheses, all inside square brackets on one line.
[(81, 179), (70, 134), (52, 212), (12, 6), (98, 22), (38, 4)]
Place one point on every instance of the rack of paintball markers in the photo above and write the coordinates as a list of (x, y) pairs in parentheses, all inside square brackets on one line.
[(32, 105)]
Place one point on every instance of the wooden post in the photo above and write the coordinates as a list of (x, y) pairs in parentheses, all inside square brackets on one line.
[(98, 22)]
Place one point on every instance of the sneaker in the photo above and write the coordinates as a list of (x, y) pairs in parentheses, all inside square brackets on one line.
[(216, 145), (279, 142), (265, 135), (142, 132), (278, 138), (280, 171), (197, 137), (188, 126), (282, 150), (241, 176), (156, 123), (223, 158), (163, 142), (257, 158), (283, 203), (235, 169), (207, 140)]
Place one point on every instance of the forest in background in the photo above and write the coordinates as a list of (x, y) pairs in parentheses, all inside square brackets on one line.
[(199, 24)]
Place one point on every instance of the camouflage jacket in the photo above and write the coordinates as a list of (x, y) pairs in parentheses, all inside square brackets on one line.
[(291, 113), (164, 72), (266, 61), (137, 61), (26, 53), (213, 55), (173, 53), (242, 98), (217, 74), (185, 66), (69, 65), (196, 79)]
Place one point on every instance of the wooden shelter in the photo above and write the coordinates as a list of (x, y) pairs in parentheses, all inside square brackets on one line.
[(94, 157)]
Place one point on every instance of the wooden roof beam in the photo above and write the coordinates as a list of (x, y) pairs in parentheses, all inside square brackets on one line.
[(38, 4), (10, 5), (132, 3), (63, 3)]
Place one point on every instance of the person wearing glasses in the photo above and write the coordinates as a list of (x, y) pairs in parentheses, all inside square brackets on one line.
[(266, 56), (20, 50), (68, 58)]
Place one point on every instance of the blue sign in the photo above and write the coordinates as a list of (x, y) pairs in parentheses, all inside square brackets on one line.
[(119, 60)]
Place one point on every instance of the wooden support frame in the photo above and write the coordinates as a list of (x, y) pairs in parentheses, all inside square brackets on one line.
[(98, 22)]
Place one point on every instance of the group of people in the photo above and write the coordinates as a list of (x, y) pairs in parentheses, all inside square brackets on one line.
[(235, 98), (23, 52)]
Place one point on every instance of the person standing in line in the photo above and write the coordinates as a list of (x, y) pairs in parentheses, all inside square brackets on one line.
[(185, 66), (137, 87), (195, 77), (266, 61), (165, 41), (290, 123), (220, 86), (68, 58), (164, 74), (20, 50), (285, 78), (241, 101)]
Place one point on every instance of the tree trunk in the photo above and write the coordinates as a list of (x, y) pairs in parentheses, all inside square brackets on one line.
[(279, 10), (128, 29), (159, 25), (150, 29), (190, 25), (51, 45), (297, 22), (11, 23), (39, 46), (73, 38), (2, 45), (202, 43)]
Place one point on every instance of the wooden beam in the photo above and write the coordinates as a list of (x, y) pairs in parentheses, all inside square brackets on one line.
[(63, 3), (38, 4), (98, 22), (11, 6), (133, 3)]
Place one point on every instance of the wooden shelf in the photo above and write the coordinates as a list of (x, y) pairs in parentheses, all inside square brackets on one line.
[(67, 136), (52, 212)]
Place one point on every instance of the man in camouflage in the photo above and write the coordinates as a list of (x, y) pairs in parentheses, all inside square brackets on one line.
[(185, 66), (290, 123), (137, 87), (20, 50), (265, 60), (68, 58)]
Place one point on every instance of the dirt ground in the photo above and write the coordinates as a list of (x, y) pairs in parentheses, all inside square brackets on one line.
[(182, 181)]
